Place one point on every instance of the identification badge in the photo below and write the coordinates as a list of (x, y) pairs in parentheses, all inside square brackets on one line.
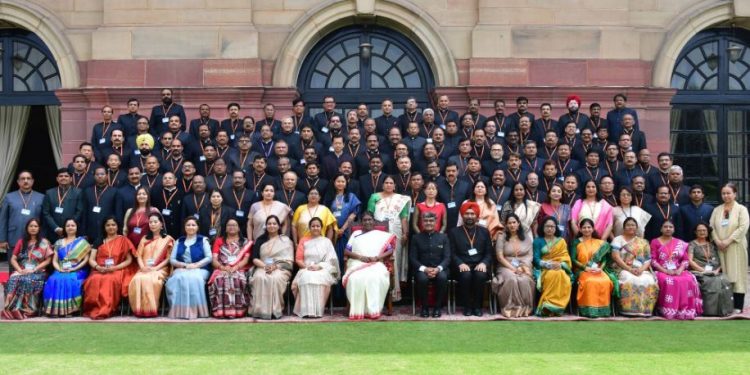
[(483, 222), (232, 258), (197, 216), (473, 252), (164, 120), (212, 232), (239, 213), (324, 129), (451, 204), (59, 210), (109, 262), (166, 212), (578, 131), (330, 149), (231, 136), (515, 263), (202, 158), (708, 268), (67, 265), (296, 132), (268, 261), (337, 213), (442, 126), (96, 209), (411, 210), (561, 227), (26, 212), (637, 263), (150, 262), (594, 266), (671, 266), (137, 152), (429, 140), (137, 230), (676, 204), (724, 222), (595, 136), (28, 267), (102, 141), (501, 134)]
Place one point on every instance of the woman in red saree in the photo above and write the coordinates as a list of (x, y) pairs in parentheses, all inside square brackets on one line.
[(111, 272)]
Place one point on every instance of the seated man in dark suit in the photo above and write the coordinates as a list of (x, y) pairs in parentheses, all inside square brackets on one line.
[(430, 256), (472, 258)]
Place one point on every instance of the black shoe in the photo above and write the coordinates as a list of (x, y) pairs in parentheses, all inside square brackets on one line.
[(437, 312), (468, 311), (425, 312), (477, 312)]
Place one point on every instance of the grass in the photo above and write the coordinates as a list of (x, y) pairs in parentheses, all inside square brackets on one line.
[(719, 347)]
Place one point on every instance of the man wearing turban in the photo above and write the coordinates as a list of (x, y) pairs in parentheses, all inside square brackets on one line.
[(582, 121), (472, 255)]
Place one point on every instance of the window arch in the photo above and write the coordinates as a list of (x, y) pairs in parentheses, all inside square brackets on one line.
[(28, 72)]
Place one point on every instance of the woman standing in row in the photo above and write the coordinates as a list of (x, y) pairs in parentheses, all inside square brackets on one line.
[(730, 224)]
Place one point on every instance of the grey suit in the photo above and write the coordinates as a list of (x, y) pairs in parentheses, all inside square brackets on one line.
[(16, 210), (53, 217)]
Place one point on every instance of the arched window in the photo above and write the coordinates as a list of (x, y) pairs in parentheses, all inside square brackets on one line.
[(28, 72), (338, 65), (710, 118)]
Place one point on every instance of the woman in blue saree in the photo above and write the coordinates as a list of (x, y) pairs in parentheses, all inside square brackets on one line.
[(63, 291), (186, 288), (345, 207)]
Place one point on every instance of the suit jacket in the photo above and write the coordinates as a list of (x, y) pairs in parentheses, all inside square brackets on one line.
[(365, 185), (429, 250), (54, 213), (156, 121), (96, 210), (15, 211), (171, 212), (125, 199)]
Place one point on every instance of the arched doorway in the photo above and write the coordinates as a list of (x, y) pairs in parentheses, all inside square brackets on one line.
[(710, 118), (395, 68), (29, 77)]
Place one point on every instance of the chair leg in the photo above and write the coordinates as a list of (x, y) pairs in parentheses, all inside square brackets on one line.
[(413, 298), (330, 302)]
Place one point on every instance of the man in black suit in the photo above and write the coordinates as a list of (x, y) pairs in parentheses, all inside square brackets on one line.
[(372, 182), (126, 193), (452, 191), (99, 203), (430, 255), (168, 200), (60, 203), (472, 258)]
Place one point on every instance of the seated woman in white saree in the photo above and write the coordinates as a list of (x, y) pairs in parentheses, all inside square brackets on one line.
[(318, 270), (367, 277)]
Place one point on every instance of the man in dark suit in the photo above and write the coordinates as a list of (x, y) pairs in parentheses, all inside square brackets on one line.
[(126, 193), (472, 258), (372, 182), (60, 203), (160, 114), (168, 200), (99, 203), (430, 256), (662, 210), (452, 191)]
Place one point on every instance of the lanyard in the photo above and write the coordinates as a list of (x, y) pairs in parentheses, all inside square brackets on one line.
[(257, 180), (470, 239), (374, 181), (25, 202), (223, 181), (240, 199), (289, 199), (171, 196), (187, 188), (198, 206), (498, 196), (112, 179), (669, 211), (61, 198), (99, 196), (215, 216), (151, 182)]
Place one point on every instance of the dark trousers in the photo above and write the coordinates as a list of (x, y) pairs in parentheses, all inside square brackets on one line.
[(739, 300), (441, 283), (471, 287)]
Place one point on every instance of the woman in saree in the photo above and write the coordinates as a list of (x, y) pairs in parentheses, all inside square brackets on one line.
[(31, 256), (730, 222), (262, 210), (345, 206), (389, 206), (227, 287), (273, 254), (590, 255), (591, 207), (626, 209), (62, 292), (555, 207), (430, 204), (136, 219), (679, 294), (191, 260), (716, 290), (111, 271), (514, 282), (487, 216), (305, 212), (552, 269), (367, 278), (318, 270), (152, 257), (631, 268), (525, 209)]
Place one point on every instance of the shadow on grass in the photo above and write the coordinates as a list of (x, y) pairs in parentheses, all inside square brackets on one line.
[(366, 339)]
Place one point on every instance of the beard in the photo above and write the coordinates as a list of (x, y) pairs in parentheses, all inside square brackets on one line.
[(470, 222), (166, 101)]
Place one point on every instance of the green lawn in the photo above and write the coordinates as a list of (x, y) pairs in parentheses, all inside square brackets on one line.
[(720, 347)]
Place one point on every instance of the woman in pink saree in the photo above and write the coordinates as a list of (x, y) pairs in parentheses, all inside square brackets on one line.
[(591, 207), (679, 294)]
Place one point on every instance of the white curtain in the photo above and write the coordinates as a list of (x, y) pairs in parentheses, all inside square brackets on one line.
[(14, 120), (55, 132)]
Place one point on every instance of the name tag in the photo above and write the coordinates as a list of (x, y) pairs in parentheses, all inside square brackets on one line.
[(212, 232), (231, 258), (724, 222), (109, 262), (451, 204), (164, 120), (561, 227), (411, 210), (676, 204), (595, 136), (166, 212), (202, 158), (578, 131), (296, 132), (483, 222), (330, 149), (102, 141), (671, 266), (67, 265), (708, 268), (515, 263), (324, 129), (594, 266), (137, 152), (442, 126), (197, 216), (637, 263), (96, 209), (473, 252), (231, 136), (26, 212), (28, 267), (239, 213), (501, 134), (150, 262), (137, 230), (429, 140)]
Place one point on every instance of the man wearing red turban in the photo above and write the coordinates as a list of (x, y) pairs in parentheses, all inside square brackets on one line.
[(582, 121), (472, 254)]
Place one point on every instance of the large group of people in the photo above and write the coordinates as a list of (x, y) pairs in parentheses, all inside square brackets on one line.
[(238, 217)]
